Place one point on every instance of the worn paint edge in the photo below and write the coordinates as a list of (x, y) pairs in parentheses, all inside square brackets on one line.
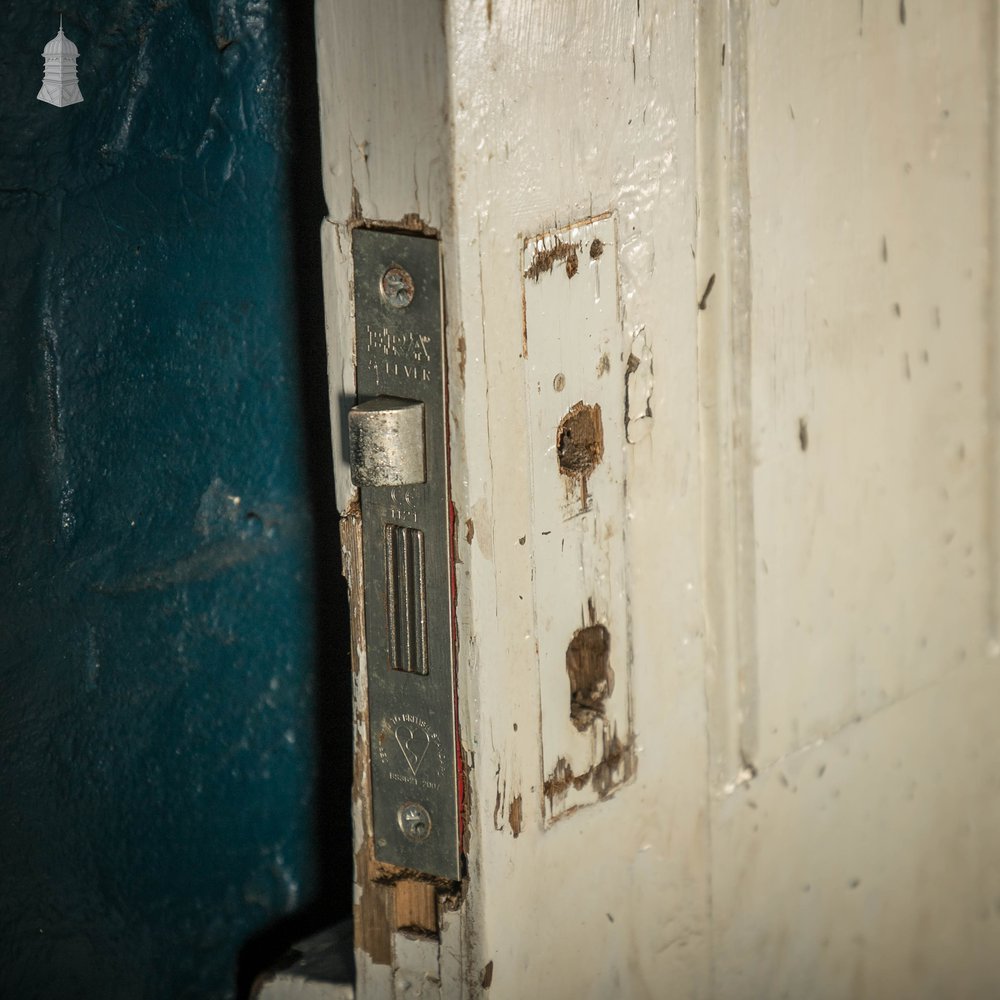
[(991, 307), (741, 302), (725, 404)]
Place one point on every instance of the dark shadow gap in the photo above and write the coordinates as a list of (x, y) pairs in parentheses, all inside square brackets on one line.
[(332, 722)]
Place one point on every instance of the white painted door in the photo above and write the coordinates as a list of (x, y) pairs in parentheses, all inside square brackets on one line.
[(720, 322)]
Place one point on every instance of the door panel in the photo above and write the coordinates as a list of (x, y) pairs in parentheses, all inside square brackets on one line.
[(870, 191)]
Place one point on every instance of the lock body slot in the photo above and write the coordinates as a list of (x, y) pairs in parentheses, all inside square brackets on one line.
[(399, 463)]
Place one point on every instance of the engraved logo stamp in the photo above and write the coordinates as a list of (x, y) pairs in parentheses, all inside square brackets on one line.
[(410, 751), (402, 505), (414, 742), (404, 354)]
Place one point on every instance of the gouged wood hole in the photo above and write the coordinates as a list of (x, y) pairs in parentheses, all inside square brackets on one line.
[(545, 260), (580, 440), (591, 679), (515, 815)]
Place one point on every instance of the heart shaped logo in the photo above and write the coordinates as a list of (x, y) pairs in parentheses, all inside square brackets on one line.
[(414, 744)]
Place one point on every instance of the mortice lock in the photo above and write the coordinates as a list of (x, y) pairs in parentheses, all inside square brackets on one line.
[(398, 452)]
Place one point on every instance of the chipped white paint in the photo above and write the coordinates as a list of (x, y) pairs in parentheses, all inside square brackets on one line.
[(574, 354), (638, 387), (810, 522), (382, 84)]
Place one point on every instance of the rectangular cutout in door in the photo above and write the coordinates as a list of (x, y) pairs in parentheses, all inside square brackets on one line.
[(575, 366)]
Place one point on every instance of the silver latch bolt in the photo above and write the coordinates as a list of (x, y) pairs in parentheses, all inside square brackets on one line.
[(387, 442)]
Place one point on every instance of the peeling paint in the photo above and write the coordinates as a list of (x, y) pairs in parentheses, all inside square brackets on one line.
[(514, 816), (638, 388), (462, 352), (615, 768), (547, 256)]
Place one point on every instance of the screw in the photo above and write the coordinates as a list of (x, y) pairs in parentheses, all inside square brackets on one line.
[(415, 821), (396, 287)]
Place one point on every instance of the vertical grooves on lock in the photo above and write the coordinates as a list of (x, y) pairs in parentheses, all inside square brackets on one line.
[(406, 599), (404, 591), (391, 596), (420, 595)]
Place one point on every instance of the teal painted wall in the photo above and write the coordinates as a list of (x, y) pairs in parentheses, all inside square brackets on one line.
[(174, 738)]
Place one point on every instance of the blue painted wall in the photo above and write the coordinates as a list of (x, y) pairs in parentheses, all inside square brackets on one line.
[(170, 606)]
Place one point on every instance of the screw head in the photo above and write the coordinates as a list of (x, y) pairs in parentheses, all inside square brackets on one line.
[(415, 821), (396, 287)]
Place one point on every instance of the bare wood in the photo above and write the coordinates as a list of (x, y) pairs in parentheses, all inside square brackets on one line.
[(416, 907)]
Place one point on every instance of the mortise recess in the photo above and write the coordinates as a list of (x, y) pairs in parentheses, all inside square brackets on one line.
[(575, 350)]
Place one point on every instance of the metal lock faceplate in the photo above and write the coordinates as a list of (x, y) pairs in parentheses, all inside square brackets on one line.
[(398, 461)]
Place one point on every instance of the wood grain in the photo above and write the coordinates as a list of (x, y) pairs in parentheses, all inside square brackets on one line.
[(416, 907)]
